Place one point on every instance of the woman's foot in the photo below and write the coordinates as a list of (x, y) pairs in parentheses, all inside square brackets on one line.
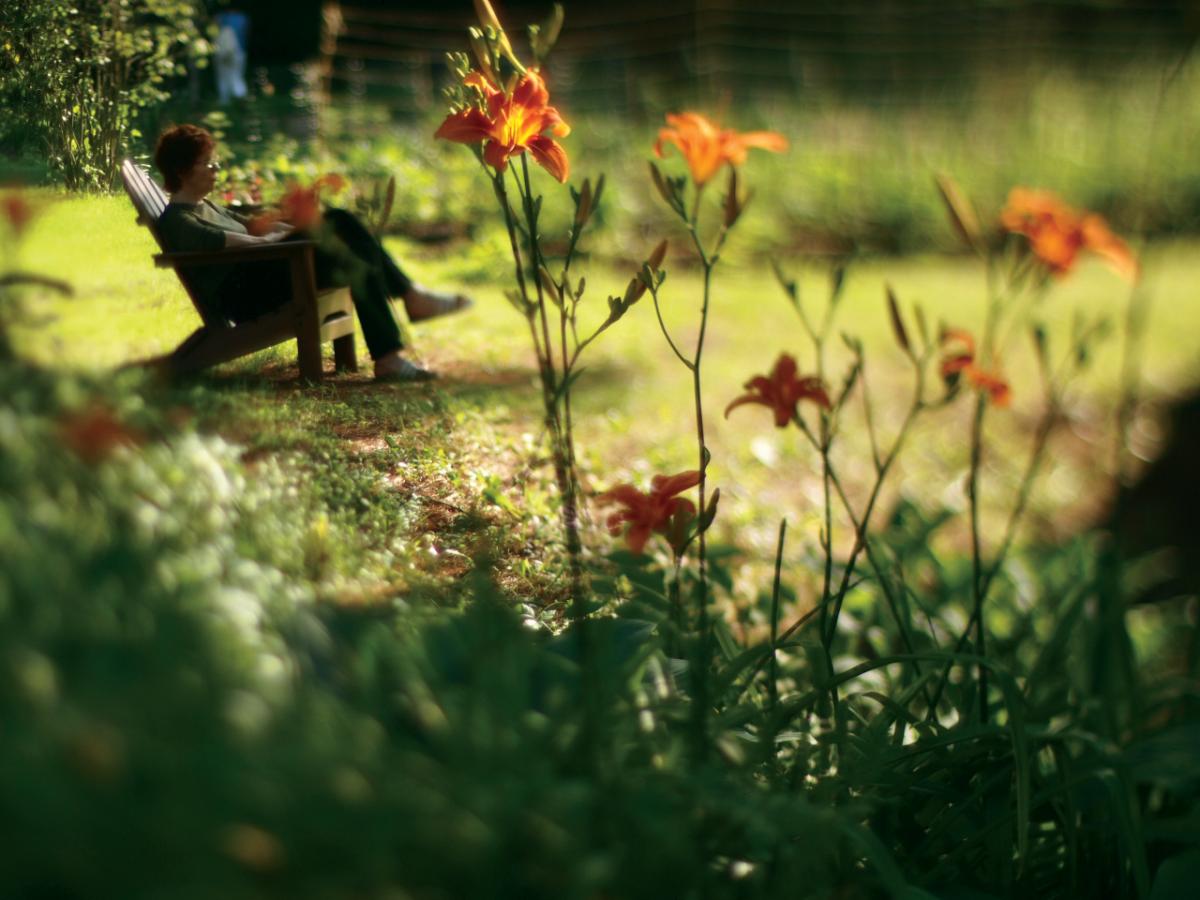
[(423, 303), (395, 368)]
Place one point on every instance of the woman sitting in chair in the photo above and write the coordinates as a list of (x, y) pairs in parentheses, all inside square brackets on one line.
[(244, 291)]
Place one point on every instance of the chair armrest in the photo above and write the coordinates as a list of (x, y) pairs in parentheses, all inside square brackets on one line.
[(230, 255)]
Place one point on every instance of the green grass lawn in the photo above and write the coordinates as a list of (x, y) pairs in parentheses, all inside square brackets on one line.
[(462, 449)]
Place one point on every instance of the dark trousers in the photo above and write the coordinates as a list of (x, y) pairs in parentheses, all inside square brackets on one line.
[(346, 255)]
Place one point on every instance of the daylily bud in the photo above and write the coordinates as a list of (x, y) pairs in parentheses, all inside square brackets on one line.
[(732, 205), (483, 54), (616, 308), (788, 284), (596, 193), (579, 290), (634, 292), (922, 325), (495, 31), (838, 282), (711, 512), (583, 206), (458, 63), (487, 15), (898, 328), (389, 199), (666, 193), (542, 38), (550, 287), (1038, 332), (656, 258), (732, 214), (851, 380), (962, 217), (647, 276)]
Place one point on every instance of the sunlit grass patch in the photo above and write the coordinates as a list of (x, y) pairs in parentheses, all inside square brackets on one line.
[(634, 415)]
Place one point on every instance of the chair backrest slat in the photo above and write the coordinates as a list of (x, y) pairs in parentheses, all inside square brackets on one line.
[(147, 197), (149, 201)]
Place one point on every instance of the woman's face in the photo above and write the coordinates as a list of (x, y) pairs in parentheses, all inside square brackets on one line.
[(200, 179)]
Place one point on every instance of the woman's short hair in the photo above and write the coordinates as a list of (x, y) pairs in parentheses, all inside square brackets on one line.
[(179, 148)]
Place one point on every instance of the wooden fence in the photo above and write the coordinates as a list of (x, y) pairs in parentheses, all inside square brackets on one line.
[(617, 56)]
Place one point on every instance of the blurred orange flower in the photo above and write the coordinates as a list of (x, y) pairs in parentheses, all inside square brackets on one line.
[(706, 147), (959, 360), (660, 510), (17, 210), (299, 206), (512, 123), (1057, 233), (95, 433), (781, 391)]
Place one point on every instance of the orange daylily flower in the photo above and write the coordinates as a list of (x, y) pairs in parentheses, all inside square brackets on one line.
[(17, 210), (511, 123), (659, 511), (960, 361), (299, 206), (1058, 233), (706, 147), (781, 391), (960, 353), (94, 434)]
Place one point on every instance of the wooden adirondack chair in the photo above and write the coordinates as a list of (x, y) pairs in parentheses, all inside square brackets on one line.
[(310, 316)]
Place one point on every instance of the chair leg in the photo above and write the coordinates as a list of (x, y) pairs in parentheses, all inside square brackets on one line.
[(308, 323), (308, 354), (344, 357)]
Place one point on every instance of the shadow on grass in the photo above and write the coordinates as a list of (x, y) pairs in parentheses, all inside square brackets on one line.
[(465, 382)]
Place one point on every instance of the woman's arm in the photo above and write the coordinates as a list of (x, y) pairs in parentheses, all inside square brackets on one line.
[(235, 239)]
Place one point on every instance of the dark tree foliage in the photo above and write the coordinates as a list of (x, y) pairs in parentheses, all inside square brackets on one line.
[(74, 75)]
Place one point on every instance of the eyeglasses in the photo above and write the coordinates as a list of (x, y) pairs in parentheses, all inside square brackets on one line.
[(213, 166)]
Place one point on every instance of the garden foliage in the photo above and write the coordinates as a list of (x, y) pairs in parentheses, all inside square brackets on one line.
[(955, 714), (75, 75)]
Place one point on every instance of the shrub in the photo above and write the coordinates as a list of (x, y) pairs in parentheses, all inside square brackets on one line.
[(76, 74)]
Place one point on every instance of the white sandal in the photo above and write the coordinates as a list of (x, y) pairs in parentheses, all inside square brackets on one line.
[(422, 303)]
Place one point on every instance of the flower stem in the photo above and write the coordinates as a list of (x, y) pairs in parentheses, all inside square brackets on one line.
[(705, 625), (559, 439), (1036, 457)]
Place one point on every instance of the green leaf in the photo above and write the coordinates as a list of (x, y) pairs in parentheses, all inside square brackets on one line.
[(1178, 877)]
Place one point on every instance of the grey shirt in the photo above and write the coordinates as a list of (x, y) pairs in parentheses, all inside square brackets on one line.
[(200, 227)]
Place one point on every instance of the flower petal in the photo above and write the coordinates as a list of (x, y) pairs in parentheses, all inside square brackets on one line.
[(637, 537), (531, 91), (764, 140), (785, 368), (1100, 240), (669, 485), (552, 121), (813, 389), (496, 155), (742, 401), (996, 387), (962, 336), (551, 156), (469, 126), (622, 493), (953, 365)]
